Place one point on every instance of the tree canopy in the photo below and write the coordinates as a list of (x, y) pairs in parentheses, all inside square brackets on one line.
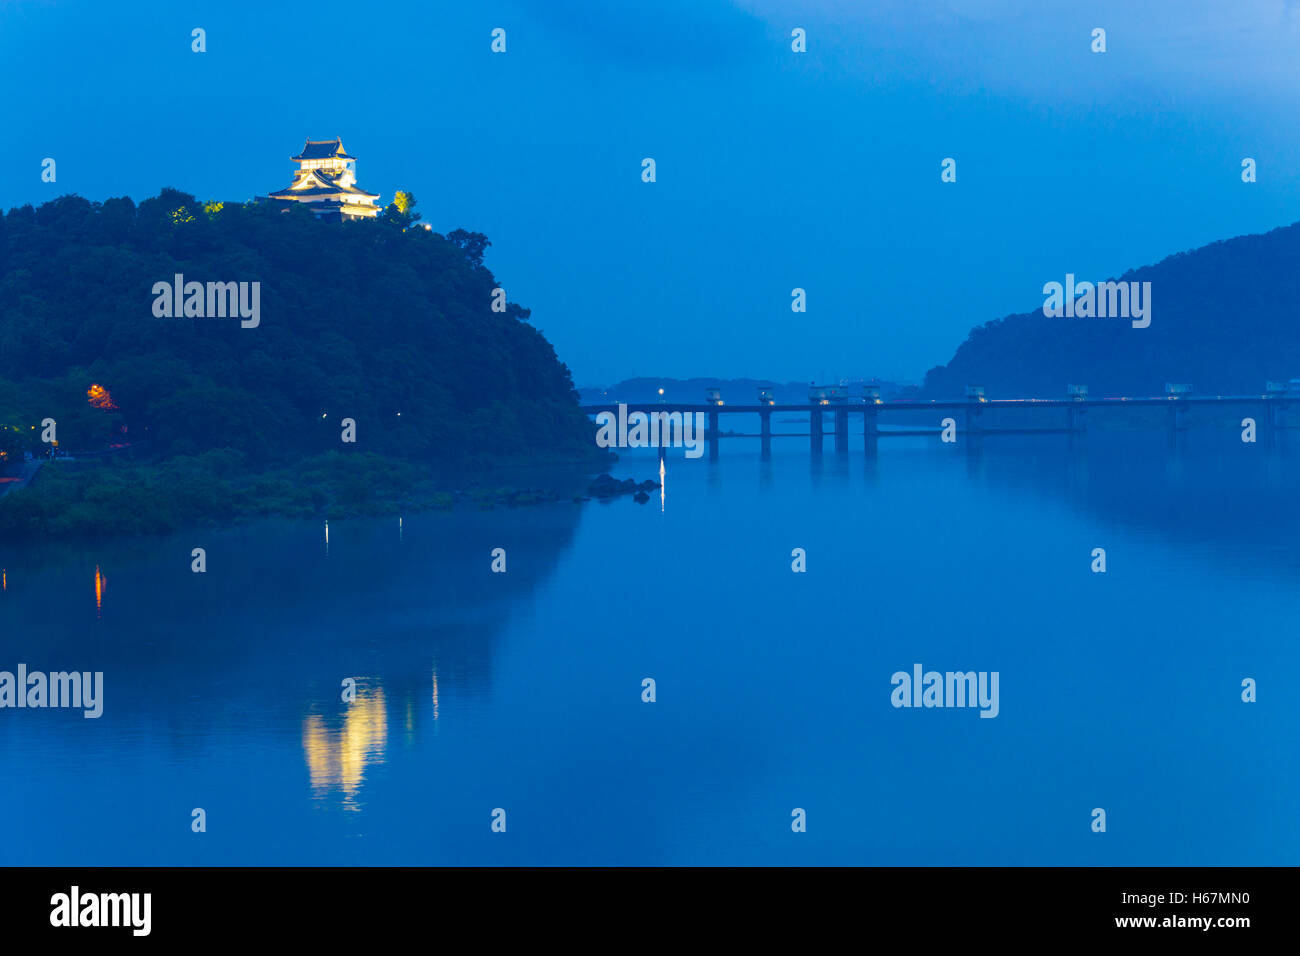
[(390, 327)]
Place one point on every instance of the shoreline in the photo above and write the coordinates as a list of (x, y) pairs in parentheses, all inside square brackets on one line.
[(107, 501)]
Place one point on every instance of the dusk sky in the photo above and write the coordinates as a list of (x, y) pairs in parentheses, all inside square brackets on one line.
[(775, 169)]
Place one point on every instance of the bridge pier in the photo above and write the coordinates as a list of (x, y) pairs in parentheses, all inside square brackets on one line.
[(1076, 425), (1077, 419), (974, 419), (841, 431), (713, 434), (765, 431), (815, 430), (974, 428), (1274, 416), (1174, 421)]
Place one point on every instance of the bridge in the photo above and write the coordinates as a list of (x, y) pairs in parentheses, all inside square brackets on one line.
[(1269, 407)]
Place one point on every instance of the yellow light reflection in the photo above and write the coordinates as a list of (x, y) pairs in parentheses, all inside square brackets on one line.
[(338, 757), (661, 486), (435, 695)]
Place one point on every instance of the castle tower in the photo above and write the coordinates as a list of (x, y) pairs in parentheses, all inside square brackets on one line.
[(327, 181)]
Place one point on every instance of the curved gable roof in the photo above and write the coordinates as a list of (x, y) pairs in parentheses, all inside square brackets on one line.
[(323, 149)]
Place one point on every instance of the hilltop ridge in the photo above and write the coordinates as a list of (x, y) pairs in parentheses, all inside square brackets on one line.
[(1222, 319)]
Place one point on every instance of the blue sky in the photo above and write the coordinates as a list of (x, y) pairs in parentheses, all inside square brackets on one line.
[(775, 169)]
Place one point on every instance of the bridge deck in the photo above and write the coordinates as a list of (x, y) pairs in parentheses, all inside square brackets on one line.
[(903, 406)]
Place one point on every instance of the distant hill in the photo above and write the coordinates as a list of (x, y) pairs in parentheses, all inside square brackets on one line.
[(1223, 319)]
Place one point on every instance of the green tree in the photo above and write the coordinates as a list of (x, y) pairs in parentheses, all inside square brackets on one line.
[(402, 210)]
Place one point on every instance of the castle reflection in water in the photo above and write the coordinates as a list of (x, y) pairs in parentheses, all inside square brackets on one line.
[(339, 756), (339, 751)]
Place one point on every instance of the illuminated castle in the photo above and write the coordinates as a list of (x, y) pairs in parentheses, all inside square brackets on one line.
[(326, 181)]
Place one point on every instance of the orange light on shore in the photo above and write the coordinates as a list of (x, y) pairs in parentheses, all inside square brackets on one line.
[(100, 397)]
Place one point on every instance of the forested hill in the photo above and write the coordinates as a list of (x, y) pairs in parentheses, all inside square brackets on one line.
[(1223, 319), (392, 327)]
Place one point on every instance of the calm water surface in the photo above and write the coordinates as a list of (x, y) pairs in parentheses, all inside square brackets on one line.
[(523, 690)]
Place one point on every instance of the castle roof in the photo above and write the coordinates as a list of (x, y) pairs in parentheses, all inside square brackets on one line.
[(323, 183), (322, 191), (323, 149)]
